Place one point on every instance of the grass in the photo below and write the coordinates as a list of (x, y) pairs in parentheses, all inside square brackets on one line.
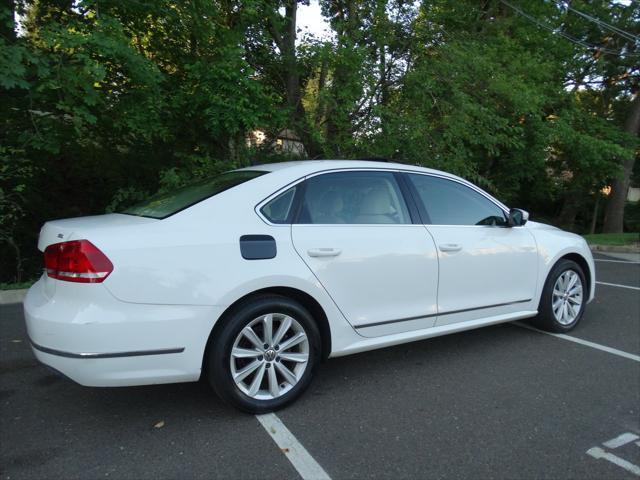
[(613, 238), (16, 286)]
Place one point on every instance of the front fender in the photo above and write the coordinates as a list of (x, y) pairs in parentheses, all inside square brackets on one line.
[(553, 245)]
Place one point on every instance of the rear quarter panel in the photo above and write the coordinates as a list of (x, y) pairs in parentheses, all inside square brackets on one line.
[(194, 258)]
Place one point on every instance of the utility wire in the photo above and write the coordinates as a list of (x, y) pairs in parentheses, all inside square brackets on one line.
[(556, 31), (602, 23)]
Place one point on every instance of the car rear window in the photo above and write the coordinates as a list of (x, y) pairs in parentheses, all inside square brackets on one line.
[(166, 204)]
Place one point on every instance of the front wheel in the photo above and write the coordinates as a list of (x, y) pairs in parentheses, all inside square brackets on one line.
[(263, 357), (563, 298)]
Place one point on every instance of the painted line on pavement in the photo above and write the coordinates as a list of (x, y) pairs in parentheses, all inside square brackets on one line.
[(301, 460), (598, 453), (586, 343), (618, 285), (620, 440)]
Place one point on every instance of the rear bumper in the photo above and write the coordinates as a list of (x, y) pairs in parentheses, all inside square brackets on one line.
[(96, 340)]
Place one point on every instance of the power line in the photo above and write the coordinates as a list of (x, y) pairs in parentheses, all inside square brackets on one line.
[(602, 23), (556, 31)]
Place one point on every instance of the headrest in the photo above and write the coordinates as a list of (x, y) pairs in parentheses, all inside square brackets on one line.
[(376, 202)]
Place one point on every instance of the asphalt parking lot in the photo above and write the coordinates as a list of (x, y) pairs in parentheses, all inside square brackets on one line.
[(500, 402)]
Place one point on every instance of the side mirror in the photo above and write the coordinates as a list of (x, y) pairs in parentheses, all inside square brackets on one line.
[(518, 217)]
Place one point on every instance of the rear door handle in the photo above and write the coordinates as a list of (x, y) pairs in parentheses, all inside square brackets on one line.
[(450, 247), (324, 252)]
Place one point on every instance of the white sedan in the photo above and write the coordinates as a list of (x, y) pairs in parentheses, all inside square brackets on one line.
[(253, 277)]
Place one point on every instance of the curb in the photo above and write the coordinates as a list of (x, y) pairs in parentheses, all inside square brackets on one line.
[(615, 248), (12, 296)]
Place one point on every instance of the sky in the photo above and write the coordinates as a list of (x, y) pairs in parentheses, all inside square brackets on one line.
[(310, 20)]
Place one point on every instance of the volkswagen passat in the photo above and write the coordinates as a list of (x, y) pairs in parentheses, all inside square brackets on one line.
[(251, 278)]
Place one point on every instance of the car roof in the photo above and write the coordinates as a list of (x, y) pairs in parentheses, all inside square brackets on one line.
[(305, 167)]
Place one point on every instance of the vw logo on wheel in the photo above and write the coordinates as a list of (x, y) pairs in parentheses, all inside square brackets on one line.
[(270, 355)]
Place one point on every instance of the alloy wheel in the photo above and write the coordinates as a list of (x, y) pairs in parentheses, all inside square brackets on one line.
[(269, 356), (567, 297)]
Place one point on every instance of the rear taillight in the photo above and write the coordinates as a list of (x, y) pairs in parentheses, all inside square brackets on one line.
[(77, 261)]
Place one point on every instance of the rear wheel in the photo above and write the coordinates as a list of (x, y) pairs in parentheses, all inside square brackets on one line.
[(563, 298), (263, 357)]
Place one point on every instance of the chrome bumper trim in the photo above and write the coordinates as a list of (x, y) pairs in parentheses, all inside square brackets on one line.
[(135, 353)]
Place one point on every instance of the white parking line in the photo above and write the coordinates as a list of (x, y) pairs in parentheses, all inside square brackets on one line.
[(616, 261), (301, 460), (586, 343), (597, 452), (621, 440), (618, 285)]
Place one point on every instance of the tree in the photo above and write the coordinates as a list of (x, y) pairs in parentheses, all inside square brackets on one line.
[(610, 74), (614, 214)]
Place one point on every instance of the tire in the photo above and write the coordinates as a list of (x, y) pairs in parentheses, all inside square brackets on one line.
[(276, 387), (562, 321)]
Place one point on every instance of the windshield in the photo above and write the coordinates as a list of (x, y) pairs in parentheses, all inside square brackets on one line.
[(165, 204)]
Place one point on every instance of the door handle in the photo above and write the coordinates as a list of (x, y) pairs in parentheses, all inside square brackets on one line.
[(450, 247), (324, 252)]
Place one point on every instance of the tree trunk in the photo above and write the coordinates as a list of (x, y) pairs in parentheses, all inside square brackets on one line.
[(567, 217), (291, 65), (320, 109), (614, 212), (286, 42), (594, 219), (338, 123)]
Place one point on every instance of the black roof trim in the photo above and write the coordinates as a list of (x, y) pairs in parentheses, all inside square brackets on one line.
[(375, 159)]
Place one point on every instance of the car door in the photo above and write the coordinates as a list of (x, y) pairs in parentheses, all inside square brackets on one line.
[(355, 232), (486, 267)]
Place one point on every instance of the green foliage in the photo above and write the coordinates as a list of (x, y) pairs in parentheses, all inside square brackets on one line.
[(125, 197), (466, 111), (15, 173)]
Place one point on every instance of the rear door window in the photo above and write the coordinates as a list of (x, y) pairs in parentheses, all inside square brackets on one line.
[(362, 197)]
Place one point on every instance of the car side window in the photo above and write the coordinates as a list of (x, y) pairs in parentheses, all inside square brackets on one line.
[(363, 197), (451, 203), (278, 210)]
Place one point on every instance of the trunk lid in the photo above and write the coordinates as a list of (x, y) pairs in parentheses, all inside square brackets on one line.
[(56, 231)]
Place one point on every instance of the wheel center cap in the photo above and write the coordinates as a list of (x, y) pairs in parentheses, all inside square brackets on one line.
[(270, 355)]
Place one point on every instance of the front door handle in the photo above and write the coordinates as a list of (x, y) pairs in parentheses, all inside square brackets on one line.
[(450, 247), (324, 252)]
